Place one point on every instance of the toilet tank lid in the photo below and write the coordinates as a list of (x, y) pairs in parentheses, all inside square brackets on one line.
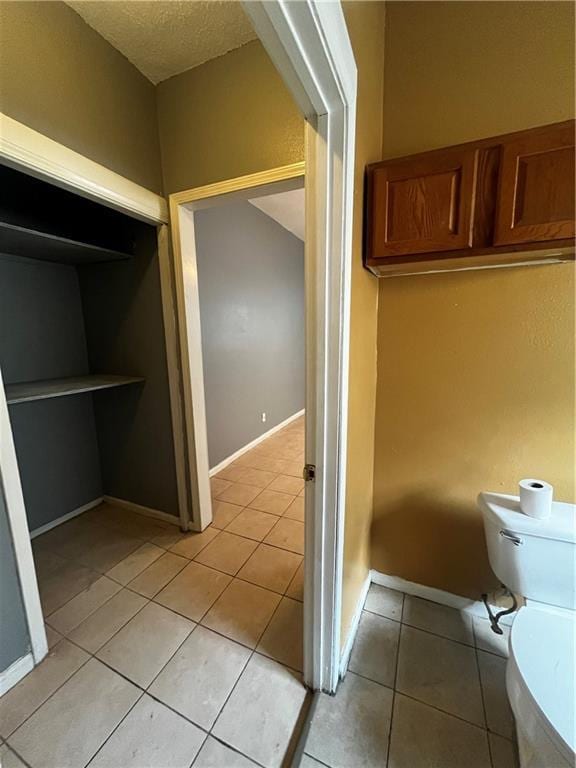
[(505, 511), (542, 646)]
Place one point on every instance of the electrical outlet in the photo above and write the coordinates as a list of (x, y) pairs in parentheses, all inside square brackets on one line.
[(263, 417)]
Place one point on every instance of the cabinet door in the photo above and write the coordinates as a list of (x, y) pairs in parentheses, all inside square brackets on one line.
[(536, 191), (422, 204)]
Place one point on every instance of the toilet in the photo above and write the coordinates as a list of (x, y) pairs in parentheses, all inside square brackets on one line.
[(536, 559)]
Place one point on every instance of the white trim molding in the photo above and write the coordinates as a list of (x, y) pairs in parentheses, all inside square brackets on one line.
[(12, 675), (434, 595), (18, 526), (23, 148), (64, 518), (353, 631), (182, 210), (309, 44), (248, 447), (141, 510), (174, 367)]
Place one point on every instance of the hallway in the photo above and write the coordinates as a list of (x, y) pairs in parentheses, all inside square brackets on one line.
[(171, 649)]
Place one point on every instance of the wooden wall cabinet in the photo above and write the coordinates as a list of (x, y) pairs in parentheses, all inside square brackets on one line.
[(424, 203), (536, 194), (488, 203)]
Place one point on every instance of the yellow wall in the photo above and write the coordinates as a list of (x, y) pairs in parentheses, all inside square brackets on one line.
[(61, 78), (459, 71), (475, 370), (365, 21), (229, 117)]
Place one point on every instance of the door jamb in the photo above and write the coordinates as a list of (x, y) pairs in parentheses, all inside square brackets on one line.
[(182, 207), (309, 44), (11, 489)]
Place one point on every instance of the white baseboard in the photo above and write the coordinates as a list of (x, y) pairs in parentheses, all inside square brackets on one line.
[(351, 637), (225, 462), (15, 672), (64, 518), (464, 604), (148, 511)]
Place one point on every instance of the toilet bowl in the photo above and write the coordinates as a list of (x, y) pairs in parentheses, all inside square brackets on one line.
[(540, 685), (536, 559)]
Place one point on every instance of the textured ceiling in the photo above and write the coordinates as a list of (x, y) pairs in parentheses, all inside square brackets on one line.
[(287, 208), (165, 37)]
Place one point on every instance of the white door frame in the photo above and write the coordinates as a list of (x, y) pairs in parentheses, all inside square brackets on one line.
[(11, 488), (182, 207), (308, 42)]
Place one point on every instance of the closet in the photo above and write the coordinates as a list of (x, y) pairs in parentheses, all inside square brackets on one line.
[(82, 352)]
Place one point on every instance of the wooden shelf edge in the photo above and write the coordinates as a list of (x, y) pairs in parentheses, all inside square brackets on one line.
[(468, 261), (44, 246), (29, 391)]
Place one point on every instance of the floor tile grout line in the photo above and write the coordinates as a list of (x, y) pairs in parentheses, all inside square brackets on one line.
[(235, 533), (223, 707), (18, 755), (200, 748), (203, 616), (320, 762), (240, 578), (426, 704), (435, 634), (141, 541), (246, 665), (233, 576), (113, 731), (73, 561), (274, 612), (47, 699), (90, 655), (254, 583), (112, 636), (395, 681), (484, 711), (444, 637), (260, 541), (145, 692), (65, 634), (234, 749), (266, 487), (252, 653), (208, 732)]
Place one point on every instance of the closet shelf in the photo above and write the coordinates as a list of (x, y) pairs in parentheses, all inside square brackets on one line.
[(21, 241), (26, 391)]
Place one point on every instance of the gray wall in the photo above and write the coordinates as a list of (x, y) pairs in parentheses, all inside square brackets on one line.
[(57, 321), (42, 337), (122, 305), (251, 280), (14, 639)]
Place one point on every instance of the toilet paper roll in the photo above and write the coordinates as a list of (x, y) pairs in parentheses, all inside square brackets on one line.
[(536, 498)]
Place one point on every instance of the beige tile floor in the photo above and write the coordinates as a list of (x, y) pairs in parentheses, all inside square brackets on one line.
[(169, 650), (425, 688)]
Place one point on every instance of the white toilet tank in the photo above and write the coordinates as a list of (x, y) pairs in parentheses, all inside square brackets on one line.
[(533, 558)]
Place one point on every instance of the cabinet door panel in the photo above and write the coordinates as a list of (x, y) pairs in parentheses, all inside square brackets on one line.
[(423, 204), (536, 193)]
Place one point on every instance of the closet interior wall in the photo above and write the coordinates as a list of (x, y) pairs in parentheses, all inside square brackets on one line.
[(80, 296)]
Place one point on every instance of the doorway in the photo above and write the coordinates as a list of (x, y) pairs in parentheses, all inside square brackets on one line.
[(240, 278)]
